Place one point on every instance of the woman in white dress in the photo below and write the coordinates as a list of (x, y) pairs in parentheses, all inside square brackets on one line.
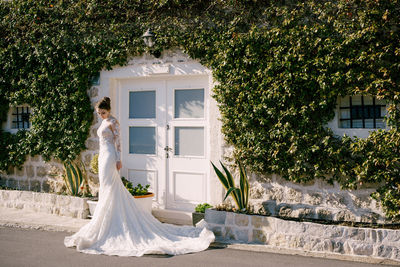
[(119, 226)]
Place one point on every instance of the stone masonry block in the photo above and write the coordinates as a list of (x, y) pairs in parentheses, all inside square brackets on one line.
[(332, 231), (12, 183), (383, 251), (3, 182), (92, 144), (363, 249), (313, 198), (355, 233), (291, 227), (242, 235), (20, 171), (257, 221), (217, 231), (241, 219), (324, 214), (215, 216), (336, 201), (345, 215), (284, 210), (46, 186), (259, 236), (41, 171), (230, 218), (294, 195), (24, 185), (35, 185), (305, 213), (229, 233), (370, 217), (36, 158), (30, 173)]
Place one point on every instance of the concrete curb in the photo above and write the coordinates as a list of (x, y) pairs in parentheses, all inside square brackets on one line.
[(284, 251), (12, 217)]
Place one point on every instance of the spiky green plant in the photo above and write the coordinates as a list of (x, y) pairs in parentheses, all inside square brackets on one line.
[(239, 194), (73, 177)]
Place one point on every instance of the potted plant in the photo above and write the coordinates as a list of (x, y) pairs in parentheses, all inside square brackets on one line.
[(200, 210), (142, 196)]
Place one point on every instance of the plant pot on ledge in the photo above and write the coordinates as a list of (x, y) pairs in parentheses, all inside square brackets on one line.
[(197, 217), (142, 197), (199, 212), (143, 201)]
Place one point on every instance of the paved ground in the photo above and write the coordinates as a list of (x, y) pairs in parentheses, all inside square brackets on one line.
[(29, 247), (29, 238)]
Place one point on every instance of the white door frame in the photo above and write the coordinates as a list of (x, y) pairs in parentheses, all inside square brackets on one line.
[(163, 186)]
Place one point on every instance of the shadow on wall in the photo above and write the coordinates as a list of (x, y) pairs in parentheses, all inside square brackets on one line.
[(303, 211)]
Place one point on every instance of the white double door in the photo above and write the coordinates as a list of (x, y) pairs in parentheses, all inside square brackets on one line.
[(164, 138)]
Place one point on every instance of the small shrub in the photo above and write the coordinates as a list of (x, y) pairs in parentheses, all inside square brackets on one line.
[(138, 190), (94, 164), (202, 207)]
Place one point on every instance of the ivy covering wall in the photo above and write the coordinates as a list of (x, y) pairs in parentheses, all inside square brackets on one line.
[(280, 68)]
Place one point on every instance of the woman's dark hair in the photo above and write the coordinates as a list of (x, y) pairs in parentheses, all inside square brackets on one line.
[(104, 103)]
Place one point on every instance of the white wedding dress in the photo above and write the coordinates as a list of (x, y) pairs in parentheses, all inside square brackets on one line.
[(119, 226)]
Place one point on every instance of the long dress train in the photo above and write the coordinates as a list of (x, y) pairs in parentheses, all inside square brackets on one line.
[(119, 226)]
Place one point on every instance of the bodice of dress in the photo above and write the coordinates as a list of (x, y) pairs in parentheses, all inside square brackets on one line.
[(109, 132)]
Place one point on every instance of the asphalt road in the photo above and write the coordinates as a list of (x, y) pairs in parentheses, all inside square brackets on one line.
[(27, 247)]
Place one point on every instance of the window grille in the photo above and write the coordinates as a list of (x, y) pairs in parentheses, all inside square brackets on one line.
[(20, 118), (362, 112)]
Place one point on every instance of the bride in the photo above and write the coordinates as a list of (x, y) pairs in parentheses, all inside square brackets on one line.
[(119, 226)]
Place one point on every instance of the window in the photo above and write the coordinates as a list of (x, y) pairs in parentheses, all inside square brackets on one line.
[(20, 117), (364, 112)]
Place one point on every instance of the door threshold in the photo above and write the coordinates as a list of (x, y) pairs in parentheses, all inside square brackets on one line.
[(173, 216)]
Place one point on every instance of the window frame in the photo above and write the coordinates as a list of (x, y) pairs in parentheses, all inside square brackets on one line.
[(10, 119), (334, 125), (363, 118)]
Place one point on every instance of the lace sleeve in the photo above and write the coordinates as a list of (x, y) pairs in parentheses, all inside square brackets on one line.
[(116, 131)]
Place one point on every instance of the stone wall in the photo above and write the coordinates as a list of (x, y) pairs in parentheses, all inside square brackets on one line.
[(316, 200), (62, 205), (41, 176), (305, 236)]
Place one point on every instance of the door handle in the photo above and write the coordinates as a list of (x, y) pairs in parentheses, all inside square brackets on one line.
[(167, 149)]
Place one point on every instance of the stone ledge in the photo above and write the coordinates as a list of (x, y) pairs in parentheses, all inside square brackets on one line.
[(62, 205), (305, 236)]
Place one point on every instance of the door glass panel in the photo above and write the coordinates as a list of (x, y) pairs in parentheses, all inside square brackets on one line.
[(142, 105), (142, 140), (189, 103), (189, 141)]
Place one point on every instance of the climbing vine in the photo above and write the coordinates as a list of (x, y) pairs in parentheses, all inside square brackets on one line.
[(280, 68)]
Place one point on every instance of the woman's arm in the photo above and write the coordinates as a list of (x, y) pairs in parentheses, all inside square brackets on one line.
[(116, 131)]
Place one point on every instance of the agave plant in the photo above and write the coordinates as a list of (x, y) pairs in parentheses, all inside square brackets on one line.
[(74, 177), (239, 194)]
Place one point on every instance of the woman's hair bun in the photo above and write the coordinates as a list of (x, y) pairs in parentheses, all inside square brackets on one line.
[(104, 103)]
